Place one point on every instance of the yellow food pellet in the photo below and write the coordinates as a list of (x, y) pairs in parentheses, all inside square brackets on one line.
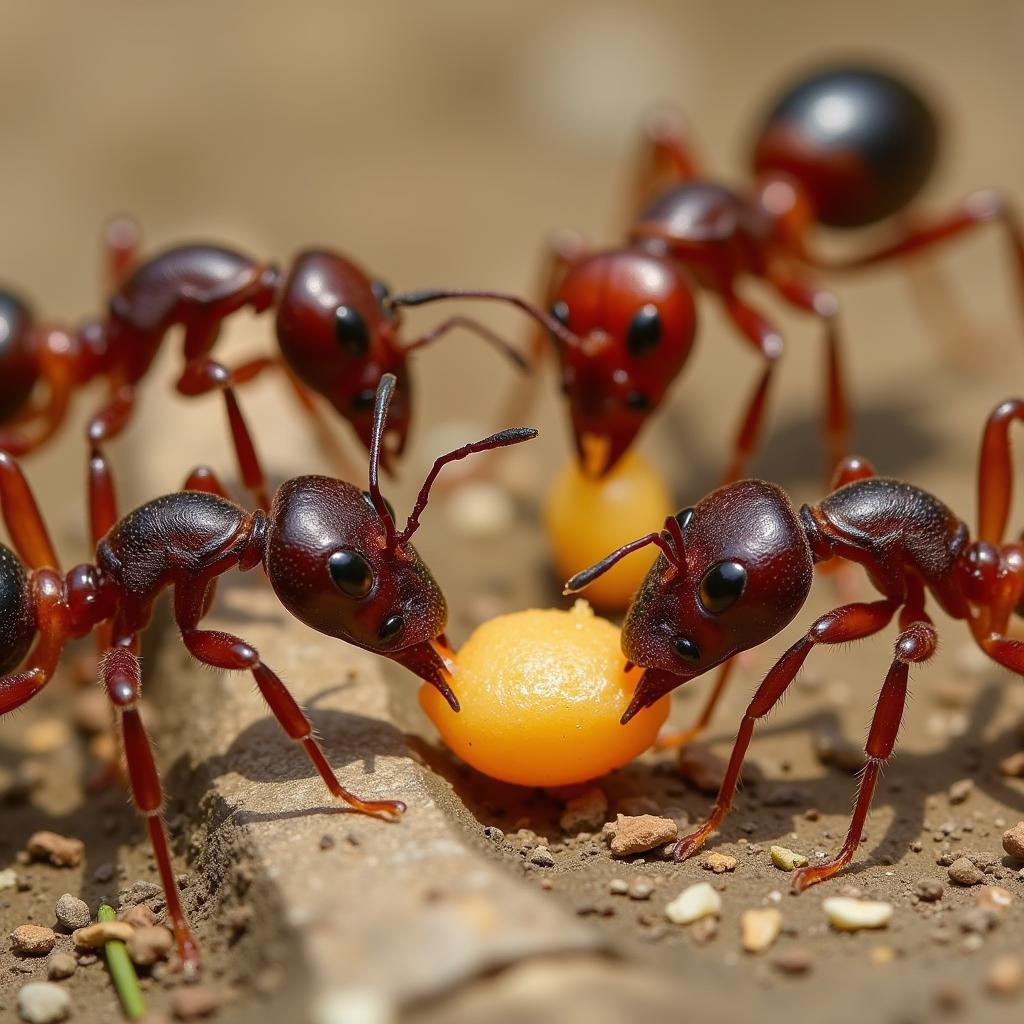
[(588, 518), (542, 692)]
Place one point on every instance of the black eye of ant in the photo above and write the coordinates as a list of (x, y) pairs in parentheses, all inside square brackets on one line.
[(638, 401), (683, 518), (644, 331), (390, 627), (351, 573), (381, 292), (722, 586), (350, 329), (369, 501), (687, 650), (363, 401)]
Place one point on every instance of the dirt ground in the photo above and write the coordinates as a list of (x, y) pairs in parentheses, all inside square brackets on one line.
[(447, 162)]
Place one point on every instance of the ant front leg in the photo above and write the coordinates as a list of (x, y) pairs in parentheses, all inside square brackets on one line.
[(767, 340), (224, 651), (104, 426), (839, 626), (915, 644), (122, 677)]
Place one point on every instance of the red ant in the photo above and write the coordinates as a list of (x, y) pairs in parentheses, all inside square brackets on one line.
[(334, 557), (338, 330), (735, 569), (843, 148)]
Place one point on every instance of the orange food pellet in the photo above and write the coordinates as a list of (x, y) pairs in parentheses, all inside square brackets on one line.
[(542, 692), (588, 518)]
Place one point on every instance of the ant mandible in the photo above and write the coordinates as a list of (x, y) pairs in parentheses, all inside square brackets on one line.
[(334, 557), (338, 330), (844, 148), (735, 569)]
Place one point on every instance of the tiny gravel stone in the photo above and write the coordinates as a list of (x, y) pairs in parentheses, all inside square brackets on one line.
[(1013, 766), (60, 965), (585, 812), (104, 873), (693, 903), (60, 851), (32, 940), (1006, 976), (71, 912), (719, 863), (42, 1002), (929, 889), (618, 887), (94, 935), (786, 859), (1013, 841), (641, 833), (641, 888), (138, 917), (541, 856), (327, 841), (979, 920), (793, 961), (850, 915), (195, 1001), (704, 930), (759, 928), (964, 872), (494, 834), (148, 945), (702, 767), (8, 879), (994, 897), (960, 790)]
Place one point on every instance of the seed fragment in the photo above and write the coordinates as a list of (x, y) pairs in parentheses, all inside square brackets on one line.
[(787, 860), (693, 903), (850, 915)]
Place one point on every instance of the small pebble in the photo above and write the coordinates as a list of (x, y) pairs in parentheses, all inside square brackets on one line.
[(46, 736), (618, 887), (94, 935), (786, 859), (693, 903), (793, 961), (850, 915), (42, 1002), (60, 851), (641, 888), (1006, 976), (964, 872), (60, 965), (139, 916), (759, 928), (701, 767), (148, 945), (195, 1001), (994, 897), (541, 856), (929, 889), (881, 955), (8, 879), (641, 833), (1013, 841), (104, 873), (1013, 766), (32, 940), (71, 912), (585, 812), (960, 790), (719, 863)]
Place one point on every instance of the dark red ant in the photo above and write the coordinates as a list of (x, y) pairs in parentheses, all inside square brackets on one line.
[(334, 557), (338, 331), (843, 148), (735, 569)]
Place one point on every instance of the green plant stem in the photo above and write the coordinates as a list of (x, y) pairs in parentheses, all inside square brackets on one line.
[(122, 971)]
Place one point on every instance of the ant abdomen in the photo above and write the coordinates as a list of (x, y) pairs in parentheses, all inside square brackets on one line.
[(19, 368), (861, 143), (17, 621)]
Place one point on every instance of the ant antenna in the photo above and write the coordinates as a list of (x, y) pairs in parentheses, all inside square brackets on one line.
[(385, 392), (672, 551), (422, 297), (502, 439)]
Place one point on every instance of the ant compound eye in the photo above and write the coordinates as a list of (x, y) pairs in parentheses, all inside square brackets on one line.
[(638, 401), (722, 586), (363, 401), (687, 650), (390, 627), (683, 518), (390, 507), (381, 292), (644, 331), (351, 573), (351, 331)]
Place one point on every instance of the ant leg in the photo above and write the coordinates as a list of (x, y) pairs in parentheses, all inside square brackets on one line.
[(224, 651), (767, 340), (24, 521), (824, 305), (202, 478), (850, 469), (121, 241), (680, 737), (995, 471), (666, 157), (122, 677), (105, 425), (915, 644), (839, 626), (204, 374)]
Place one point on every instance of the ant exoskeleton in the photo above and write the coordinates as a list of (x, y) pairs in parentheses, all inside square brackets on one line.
[(735, 569), (332, 553), (844, 148), (338, 330)]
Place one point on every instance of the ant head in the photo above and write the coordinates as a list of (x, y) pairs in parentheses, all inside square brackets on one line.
[(338, 562), (19, 367), (339, 333), (733, 572), (633, 317)]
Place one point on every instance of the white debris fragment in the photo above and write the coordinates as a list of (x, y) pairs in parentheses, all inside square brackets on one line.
[(692, 904)]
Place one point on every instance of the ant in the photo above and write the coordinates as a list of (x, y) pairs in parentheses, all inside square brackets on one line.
[(843, 148), (333, 554), (736, 568), (338, 331)]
